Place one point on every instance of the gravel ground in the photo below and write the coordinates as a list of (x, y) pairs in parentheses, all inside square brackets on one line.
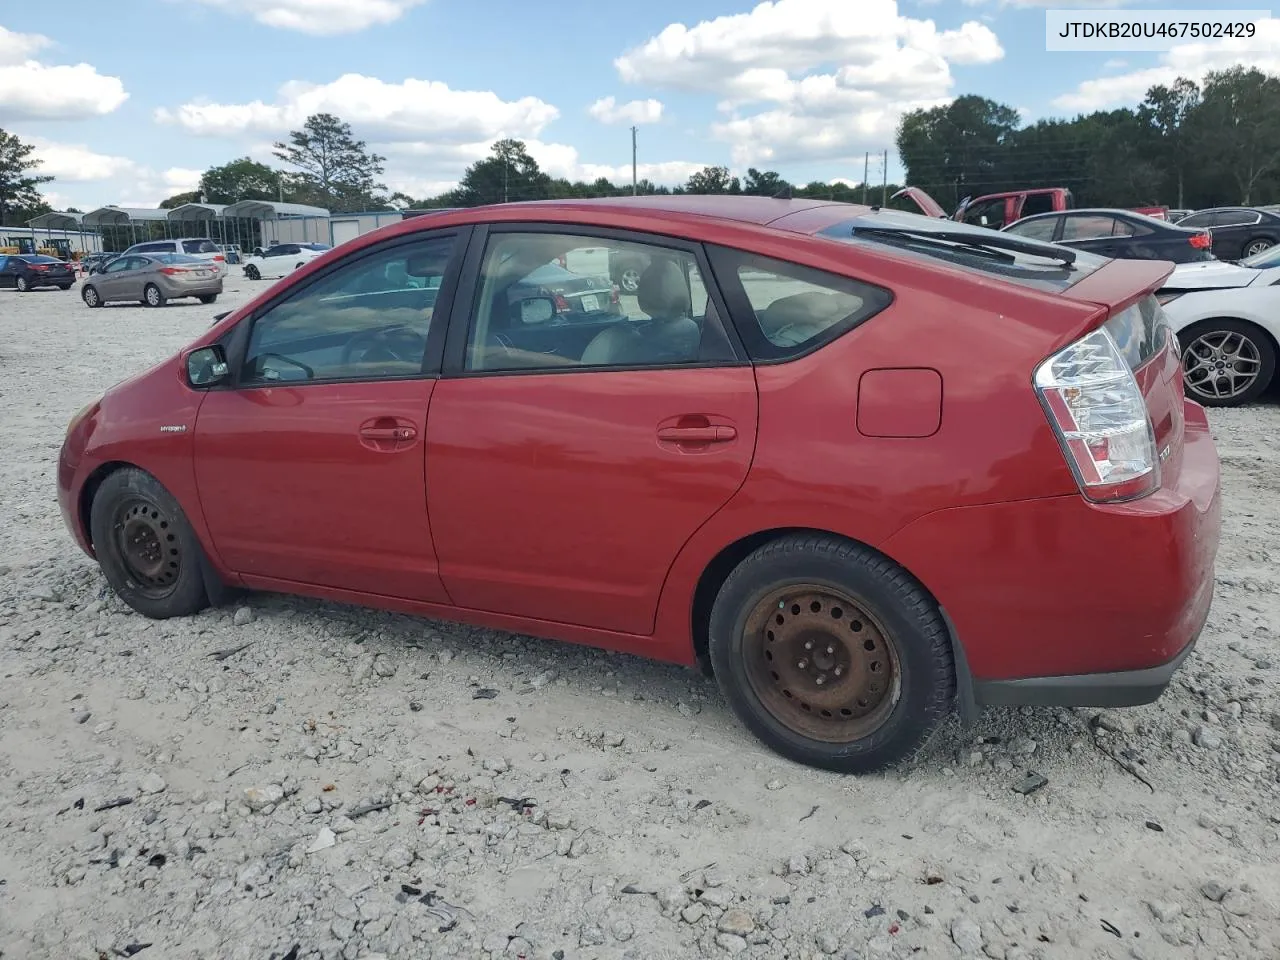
[(356, 784)]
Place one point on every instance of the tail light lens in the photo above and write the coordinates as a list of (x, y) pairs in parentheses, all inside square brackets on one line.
[(562, 305), (1097, 409), (173, 271), (614, 295), (218, 256), (40, 266), (1201, 241)]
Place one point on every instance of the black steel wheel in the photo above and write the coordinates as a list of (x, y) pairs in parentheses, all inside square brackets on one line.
[(146, 547), (831, 654)]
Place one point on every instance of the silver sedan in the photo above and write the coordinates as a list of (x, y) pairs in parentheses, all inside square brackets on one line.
[(153, 279)]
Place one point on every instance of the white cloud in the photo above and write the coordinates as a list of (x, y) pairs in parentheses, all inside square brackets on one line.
[(319, 17), (608, 110), (833, 77), (1191, 60), (77, 163), (378, 111), (91, 178), (32, 90), (17, 47)]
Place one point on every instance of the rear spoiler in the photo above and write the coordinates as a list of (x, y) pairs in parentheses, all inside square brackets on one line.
[(1120, 283)]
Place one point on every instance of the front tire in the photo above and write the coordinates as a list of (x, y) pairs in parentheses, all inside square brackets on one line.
[(831, 654), (208, 298), (1226, 362), (145, 546), (252, 272), (152, 296), (90, 296)]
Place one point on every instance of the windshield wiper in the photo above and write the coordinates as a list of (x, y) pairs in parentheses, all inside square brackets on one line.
[(989, 245)]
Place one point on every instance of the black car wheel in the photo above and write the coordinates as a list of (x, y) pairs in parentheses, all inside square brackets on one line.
[(90, 296), (208, 298), (152, 296), (22, 284), (1257, 245), (145, 546), (64, 286), (1226, 362), (252, 272), (831, 654)]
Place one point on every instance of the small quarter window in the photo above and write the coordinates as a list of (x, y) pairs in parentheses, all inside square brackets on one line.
[(795, 309)]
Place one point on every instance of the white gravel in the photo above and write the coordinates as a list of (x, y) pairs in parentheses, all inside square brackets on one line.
[(335, 789)]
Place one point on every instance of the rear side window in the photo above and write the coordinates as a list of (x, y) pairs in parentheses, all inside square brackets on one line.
[(786, 310), (199, 246)]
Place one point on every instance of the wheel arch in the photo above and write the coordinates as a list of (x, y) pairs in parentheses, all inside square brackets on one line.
[(717, 570)]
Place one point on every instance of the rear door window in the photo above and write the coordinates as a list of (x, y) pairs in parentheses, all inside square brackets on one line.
[(1041, 228), (1087, 227), (784, 310)]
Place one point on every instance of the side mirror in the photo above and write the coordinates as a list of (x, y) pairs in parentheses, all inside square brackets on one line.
[(537, 309), (207, 367)]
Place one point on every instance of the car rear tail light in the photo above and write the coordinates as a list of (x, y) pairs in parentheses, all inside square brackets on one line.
[(1096, 407), (614, 295), (562, 305), (39, 266), (1201, 241), (174, 271)]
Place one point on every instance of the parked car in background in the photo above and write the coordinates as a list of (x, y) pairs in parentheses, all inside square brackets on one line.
[(1117, 233), (1238, 232), (27, 271), (817, 452), (574, 297), (994, 210), (281, 259), (153, 280), (1227, 317), (94, 262), (199, 247)]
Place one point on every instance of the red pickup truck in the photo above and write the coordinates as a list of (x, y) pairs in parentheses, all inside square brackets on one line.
[(997, 210)]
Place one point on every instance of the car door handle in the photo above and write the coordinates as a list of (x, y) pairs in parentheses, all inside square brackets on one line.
[(715, 433), (388, 433)]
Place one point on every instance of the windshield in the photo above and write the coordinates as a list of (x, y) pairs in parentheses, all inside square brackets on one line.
[(1269, 257), (1042, 273)]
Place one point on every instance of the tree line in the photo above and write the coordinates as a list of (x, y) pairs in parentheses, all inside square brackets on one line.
[(1186, 145)]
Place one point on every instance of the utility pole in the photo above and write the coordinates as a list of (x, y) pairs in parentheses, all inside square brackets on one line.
[(633, 161), (505, 167), (884, 192), (866, 173)]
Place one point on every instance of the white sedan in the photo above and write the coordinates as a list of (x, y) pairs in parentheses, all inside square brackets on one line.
[(282, 259), (1227, 318)]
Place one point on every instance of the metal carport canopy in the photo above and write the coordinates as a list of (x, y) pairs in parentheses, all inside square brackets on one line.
[(56, 221), (270, 210), (123, 216), (197, 211)]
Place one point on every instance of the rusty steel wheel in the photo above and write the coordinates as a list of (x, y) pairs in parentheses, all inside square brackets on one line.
[(831, 653), (148, 547), (820, 663)]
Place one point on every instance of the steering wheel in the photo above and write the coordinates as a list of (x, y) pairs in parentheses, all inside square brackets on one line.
[(387, 345)]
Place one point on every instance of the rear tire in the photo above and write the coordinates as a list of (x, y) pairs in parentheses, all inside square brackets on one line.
[(152, 296), (1246, 354), (64, 286), (22, 284), (813, 606), (1256, 245), (209, 298), (146, 547), (90, 296)]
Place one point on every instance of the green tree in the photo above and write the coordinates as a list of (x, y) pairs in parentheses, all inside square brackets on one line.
[(19, 193), (955, 150), (241, 179), (1166, 111), (178, 199), (509, 173), (763, 183), (713, 180), (1236, 128), (333, 168)]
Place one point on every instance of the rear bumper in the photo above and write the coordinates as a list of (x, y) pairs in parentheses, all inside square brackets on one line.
[(1060, 601)]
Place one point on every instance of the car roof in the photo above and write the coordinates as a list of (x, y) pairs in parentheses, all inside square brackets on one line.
[(761, 211)]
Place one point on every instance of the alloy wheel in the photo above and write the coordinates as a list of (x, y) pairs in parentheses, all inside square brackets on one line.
[(1221, 364), (629, 280), (1257, 246), (821, 664)]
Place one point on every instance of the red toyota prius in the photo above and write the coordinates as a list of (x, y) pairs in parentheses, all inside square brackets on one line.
[(863, 465)]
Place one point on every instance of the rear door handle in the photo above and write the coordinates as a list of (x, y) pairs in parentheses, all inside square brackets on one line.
[(716, 433)]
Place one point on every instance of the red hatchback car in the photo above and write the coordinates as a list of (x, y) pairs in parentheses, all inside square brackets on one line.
[(861, 464)]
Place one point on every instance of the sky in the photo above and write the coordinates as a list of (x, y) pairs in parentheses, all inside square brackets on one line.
[(128, 103)]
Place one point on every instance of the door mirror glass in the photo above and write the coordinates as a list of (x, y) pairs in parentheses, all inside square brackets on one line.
[(207, 367), (537, 309)]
